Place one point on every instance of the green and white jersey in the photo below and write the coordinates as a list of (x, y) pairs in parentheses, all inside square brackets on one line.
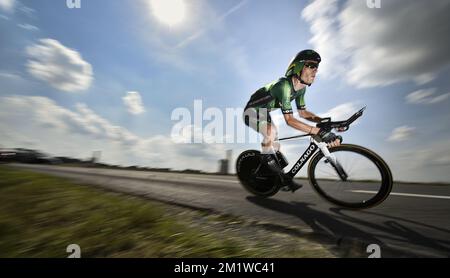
[(278, 94)]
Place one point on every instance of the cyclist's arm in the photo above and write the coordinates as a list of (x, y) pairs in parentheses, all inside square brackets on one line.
[(293, 122), (305, 114), (301, 108), (282, 93)]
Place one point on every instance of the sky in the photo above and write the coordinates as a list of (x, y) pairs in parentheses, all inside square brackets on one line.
[(108, 76)]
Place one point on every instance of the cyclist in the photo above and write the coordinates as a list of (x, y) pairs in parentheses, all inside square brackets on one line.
[(300, 73)]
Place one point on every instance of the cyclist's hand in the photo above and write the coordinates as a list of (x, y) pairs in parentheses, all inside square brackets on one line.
[(341, 129), (335, 143), (330, 138)]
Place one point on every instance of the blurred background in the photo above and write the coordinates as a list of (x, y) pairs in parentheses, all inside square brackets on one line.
[(101, 84), (105, 76)]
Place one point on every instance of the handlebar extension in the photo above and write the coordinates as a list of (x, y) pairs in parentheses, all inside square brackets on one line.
[(328, 125)]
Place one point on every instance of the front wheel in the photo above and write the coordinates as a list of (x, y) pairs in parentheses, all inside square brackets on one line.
[(366, 182)]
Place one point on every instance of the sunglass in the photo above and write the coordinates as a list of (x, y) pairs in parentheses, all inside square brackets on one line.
[(312, 65)]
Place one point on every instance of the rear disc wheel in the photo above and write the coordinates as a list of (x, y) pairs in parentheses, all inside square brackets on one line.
[(262, 186)]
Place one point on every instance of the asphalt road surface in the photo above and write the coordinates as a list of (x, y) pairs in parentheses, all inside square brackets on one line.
[(413, 221)]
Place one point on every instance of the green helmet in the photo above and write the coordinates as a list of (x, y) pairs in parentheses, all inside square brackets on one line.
[(296, 65)]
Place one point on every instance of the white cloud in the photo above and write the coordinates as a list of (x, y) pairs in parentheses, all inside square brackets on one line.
[(429, 163), (9, 75), (424, 78), (420, 96), (426, 96), (77, 132), (439, 98), (89, 122), (133, 102), (7, 5), (28, 27), (437, 154), (323, 25), (27, 10), (197, 134), (401, 133), (378, 47), (207, 27), (341, 112), (61, 67)]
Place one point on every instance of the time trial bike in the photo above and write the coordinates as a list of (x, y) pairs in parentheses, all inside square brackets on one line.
[(349, 175)]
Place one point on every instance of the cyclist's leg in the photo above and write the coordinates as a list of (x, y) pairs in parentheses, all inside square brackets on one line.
[(260, 120), (269, 132)]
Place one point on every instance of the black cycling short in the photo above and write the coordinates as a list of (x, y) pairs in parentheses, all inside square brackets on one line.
[(253, 117)]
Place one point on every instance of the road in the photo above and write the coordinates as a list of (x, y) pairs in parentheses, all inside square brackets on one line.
[(412, 222)]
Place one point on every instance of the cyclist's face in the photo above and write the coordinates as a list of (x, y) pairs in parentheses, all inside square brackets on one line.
[(309, 71)]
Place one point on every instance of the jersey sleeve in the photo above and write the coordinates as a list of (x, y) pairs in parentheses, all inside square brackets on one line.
[(300, 100), (282, 93)]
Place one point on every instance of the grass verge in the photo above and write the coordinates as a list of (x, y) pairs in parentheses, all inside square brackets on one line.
[(40, 215)]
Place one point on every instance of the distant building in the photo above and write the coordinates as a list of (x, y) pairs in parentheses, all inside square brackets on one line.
[(224, 164)]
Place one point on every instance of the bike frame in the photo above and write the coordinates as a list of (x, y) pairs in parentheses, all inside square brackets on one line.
[(310, 151), (325, 124)]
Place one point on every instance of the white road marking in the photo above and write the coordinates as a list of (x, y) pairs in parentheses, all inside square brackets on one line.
[(405, 194)]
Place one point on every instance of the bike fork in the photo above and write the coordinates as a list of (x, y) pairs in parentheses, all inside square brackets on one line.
[(331, 158)]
